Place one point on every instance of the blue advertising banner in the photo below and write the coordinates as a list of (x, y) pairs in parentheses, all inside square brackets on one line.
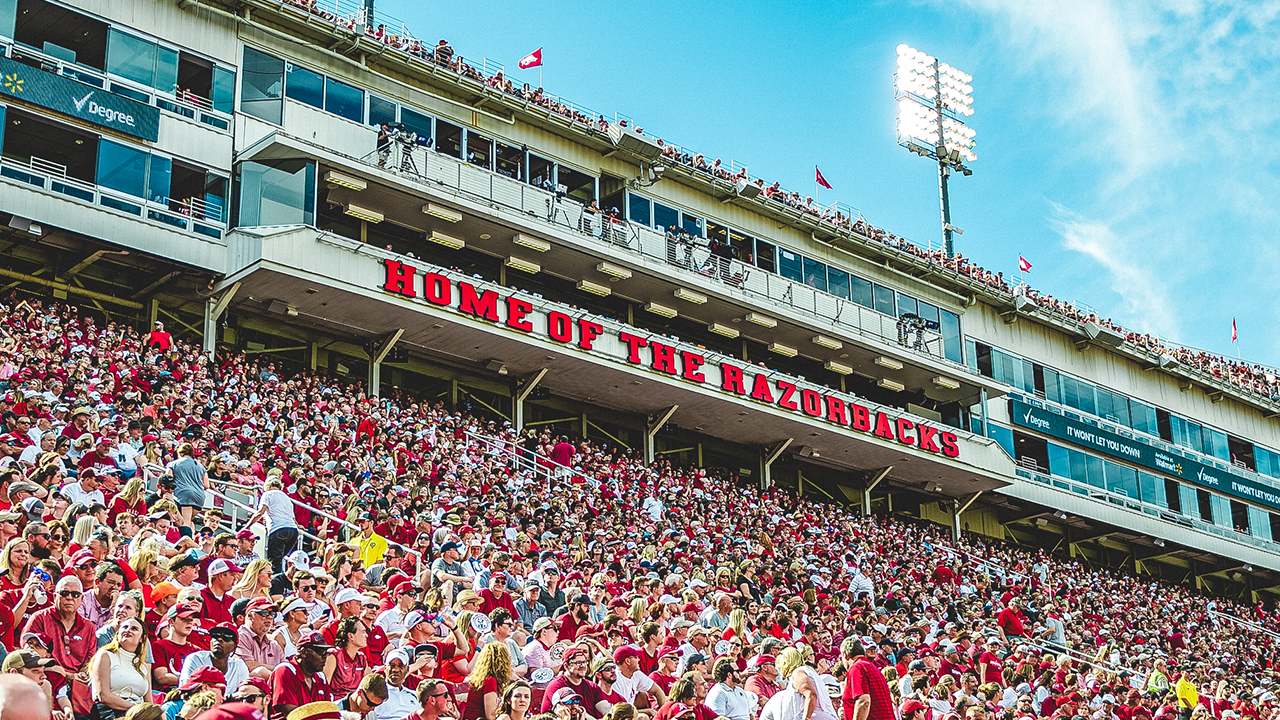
[(74, 98), (1109, 443)]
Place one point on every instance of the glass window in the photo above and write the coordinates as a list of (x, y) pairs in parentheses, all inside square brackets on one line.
[(223, 90), (381, 111), (133, 58), (717, 232), (815, 274), (276, 192), (263, 86), (860, 291), (1079, 467), (1097, 473), (927, 311), (1122, 480), (1152, 489), (449, 142), (166, 75), (1052, 385), (122, 168), (343, 100), (305, 86), (1004, 436), (1059, 461), (416, 123), (160, 178), (884, 299), (952, 341), (744, 244), (665, 217), (639, 209), (790, 265), (1259, 523), (1220, 508), (766, 256), (838, 282), (1216, 445), (691, 224), (906, 305), (1143, 417)]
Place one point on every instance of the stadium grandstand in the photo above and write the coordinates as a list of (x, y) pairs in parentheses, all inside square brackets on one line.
[(342, 377)]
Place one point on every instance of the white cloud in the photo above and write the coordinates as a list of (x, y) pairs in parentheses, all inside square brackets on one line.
[(1166, 115), (1147, 305)]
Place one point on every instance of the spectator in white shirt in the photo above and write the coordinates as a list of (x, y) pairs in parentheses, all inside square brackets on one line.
[(728, 698)]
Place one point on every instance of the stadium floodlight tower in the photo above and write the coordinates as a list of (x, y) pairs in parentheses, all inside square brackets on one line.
[(933, 101)]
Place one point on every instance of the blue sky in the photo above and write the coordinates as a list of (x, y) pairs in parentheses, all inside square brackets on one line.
[(1126, 149)]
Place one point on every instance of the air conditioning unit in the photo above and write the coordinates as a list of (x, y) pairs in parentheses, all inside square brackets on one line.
[(746, 189), (632, 142)]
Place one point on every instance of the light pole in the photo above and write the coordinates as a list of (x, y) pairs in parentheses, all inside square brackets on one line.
[(933, 101)]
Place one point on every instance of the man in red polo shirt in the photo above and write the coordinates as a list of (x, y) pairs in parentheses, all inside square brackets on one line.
[(216, 598), (300, 680), (73, 639), (866, 692), (1010, 620)]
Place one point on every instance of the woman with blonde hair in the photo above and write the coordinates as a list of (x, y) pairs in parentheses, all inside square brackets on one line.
[(804, 694), (119, 673), (130, 501), (487, 681), (80, 535), (737, 625), (637, 610), (256, 581), (15, 564)]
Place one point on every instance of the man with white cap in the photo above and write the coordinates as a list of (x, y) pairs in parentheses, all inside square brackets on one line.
[(400, 700), (296, 564), (216, 599), (349, 602)]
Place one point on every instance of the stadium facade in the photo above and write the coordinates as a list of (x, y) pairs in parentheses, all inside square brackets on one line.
[(215, 164)]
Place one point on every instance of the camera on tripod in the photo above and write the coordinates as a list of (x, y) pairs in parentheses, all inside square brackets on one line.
[(909, 323)]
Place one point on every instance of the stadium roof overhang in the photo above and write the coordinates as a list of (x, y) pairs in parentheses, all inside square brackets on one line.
[(339, 286)]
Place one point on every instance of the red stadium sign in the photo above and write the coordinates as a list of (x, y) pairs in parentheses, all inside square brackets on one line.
[(736, 379)]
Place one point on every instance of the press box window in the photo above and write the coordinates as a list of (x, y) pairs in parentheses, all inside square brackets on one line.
[(639, 210), (381, 111), (417, 123), (262, 88), (142, 61), (343, 100), (275, 192), (305, 86)]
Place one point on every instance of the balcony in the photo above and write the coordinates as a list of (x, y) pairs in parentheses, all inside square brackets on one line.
[(674, 259)]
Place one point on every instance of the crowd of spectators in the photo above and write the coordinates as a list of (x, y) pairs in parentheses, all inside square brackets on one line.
[(1250, 377), (418, 562)]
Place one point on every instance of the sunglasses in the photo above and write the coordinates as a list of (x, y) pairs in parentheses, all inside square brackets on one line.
[(571, 701), (440, 695), (60, 538), (69, 593), (305, 588)]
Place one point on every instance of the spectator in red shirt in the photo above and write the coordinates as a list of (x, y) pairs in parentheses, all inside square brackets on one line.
[(216, 598), (496, 596), (1010, 620), (989, 669), (300, 679), (74, 640), (159, 339), (866, 692)]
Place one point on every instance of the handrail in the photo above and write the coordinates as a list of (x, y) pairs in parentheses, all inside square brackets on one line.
[(1083, 660), (1245, 623), (246, 508), (988, 566), (507, 447), (351, 526)]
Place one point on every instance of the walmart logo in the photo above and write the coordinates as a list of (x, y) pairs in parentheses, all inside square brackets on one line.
[(13, 84)]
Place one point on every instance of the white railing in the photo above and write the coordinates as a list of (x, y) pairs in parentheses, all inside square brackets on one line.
[(52, 177), (542, 467), (1247, 624)]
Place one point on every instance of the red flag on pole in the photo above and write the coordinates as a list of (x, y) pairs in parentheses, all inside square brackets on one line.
[(821, 180), (1233, 329), (532, 60), (1023, 264)]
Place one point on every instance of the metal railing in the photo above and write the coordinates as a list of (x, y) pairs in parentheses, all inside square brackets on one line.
[(1136, 505), (984, 565), (1247, 624), (543, 467), (52, 177), (617, 235)]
